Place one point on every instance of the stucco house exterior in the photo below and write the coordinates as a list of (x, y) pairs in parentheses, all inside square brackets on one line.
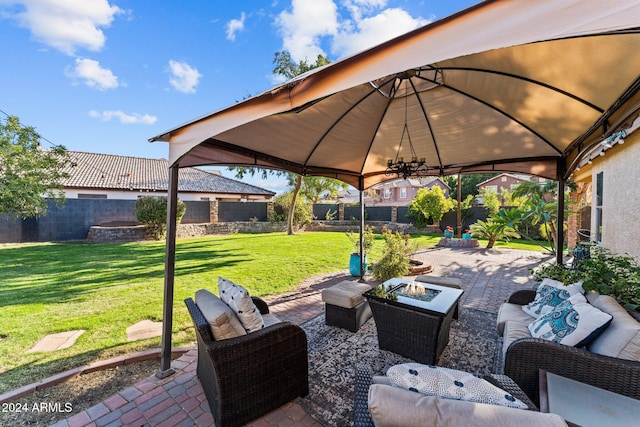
[(398, 192), (609, 179), (108, 176), (508, 181)]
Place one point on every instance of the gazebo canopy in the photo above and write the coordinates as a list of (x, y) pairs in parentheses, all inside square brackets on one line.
[(502, 86)]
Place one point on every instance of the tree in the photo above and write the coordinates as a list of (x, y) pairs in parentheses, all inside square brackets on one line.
[(28, 174), (492, 229), (431, 203), (490, 200), (314, 188), (285, 66)]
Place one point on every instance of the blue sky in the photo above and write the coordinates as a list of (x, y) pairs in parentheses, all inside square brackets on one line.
[(106, 75)]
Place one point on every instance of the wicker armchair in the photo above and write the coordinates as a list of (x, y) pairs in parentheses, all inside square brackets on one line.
[(526, 356), (364, 374), (246, 377)]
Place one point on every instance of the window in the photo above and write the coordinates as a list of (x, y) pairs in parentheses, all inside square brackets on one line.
[(599, 194), (403, 193), (504, 179), (387, 193)]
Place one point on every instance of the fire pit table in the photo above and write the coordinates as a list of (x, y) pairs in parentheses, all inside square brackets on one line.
[(413, 318)]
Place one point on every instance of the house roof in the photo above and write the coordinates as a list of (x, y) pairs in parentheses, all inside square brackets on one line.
[(113, 172), (520, 177)]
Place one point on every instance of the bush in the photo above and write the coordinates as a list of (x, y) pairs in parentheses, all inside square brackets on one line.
[(396, 253), (152, 213), (603, 272), (303, 213), (368, 238)]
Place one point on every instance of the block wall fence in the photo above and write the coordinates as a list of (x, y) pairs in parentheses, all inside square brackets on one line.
[(105, 217)]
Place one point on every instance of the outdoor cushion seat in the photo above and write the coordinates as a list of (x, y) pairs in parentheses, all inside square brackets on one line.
[(250, 375), (345, 307)]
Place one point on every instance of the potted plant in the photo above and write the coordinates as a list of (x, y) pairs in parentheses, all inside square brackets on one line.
[(466, 235), (448, 232), (354, 261)]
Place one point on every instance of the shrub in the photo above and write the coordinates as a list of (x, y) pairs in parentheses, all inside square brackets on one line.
[(603, 272), (303, 213), (367, 240), (396, 253), (152, 213)]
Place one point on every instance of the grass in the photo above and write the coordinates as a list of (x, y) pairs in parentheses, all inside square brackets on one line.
[(47, 288)]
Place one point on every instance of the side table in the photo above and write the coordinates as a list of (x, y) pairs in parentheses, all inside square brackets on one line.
[(584, 405)]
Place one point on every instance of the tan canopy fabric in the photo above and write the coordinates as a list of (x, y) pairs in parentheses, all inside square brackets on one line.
[(501, 86)]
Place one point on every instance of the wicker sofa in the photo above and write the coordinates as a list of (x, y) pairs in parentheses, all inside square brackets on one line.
[(250, 375), (610, 362)]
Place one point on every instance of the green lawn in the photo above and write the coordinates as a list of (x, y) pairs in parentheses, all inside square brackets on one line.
[(104, 288)]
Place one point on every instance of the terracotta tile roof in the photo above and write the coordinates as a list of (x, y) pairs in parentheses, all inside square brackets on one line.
[(112, 172)]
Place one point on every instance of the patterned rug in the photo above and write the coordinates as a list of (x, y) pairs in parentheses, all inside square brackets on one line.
[(474, 346)]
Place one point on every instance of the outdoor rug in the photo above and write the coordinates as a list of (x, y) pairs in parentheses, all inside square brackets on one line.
[(474, 346)]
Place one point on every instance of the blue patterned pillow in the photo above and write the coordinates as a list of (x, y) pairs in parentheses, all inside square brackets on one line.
[(450, 383), (575, 323), (549, 295)]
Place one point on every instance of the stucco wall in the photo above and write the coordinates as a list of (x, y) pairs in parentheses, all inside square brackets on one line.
[(621, 197)]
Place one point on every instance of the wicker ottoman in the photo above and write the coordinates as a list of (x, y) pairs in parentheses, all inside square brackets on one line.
[(345, 307)]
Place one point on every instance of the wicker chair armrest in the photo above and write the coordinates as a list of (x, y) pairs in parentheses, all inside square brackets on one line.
[(522, 297), (525, 357), (261, 305), (361, 417)]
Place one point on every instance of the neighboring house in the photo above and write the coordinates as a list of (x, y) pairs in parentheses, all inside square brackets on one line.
[(108, 176), (611, 171), (399, 192), (507, 181)]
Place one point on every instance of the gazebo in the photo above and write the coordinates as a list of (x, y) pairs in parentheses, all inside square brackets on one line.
[(503, 86)]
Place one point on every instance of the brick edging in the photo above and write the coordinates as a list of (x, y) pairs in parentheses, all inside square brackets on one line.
[(91, 367)]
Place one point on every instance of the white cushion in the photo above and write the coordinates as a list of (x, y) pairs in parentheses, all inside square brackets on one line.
[(393, 407), (237, 297), (451, 384), (549, 295), (622, 338), (513, 331), (575, 322), (510, 312), (222, 320)]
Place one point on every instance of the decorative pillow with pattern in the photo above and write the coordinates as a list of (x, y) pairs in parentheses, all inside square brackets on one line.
[(549, 295), (575, 323), (450, 383), (238, 299)]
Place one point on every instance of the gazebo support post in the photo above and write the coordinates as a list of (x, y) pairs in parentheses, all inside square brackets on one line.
[(362, 254), (560, 222), (169, 274)]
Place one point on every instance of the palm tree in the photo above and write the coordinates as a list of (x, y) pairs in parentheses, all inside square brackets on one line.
[(493, 229)]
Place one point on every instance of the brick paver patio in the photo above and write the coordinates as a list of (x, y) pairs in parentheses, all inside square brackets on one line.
[(488, 277)]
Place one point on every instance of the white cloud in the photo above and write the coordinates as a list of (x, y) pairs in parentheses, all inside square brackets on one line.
[(184, 77), (124, 118), (366, 23), (302, 28), (93, 74), (370, 31), (234, 26), (66, 25)]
